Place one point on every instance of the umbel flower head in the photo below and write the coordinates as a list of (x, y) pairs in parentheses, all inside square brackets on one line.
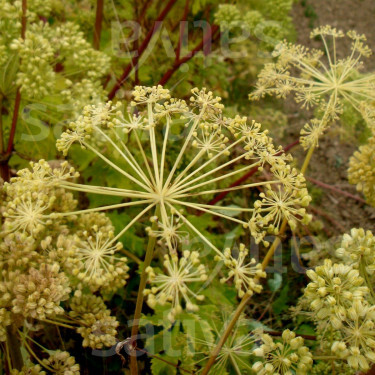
[(39, 293), (97, 327), (174, 285), (236, 351), (206, 154), (244, 272), (361, 170), (95, 263), (320, 79), (332, 289), (358, 249), (357, 345), (283, 357), (62, 363)]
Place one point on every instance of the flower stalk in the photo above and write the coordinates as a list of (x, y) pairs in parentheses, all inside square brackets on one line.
[(140, 297), (98, 24), (14, 347), (247, 297)]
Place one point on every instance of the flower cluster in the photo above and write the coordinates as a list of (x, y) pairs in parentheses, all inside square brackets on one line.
[(97, 327), (358, 250), (358, 337), (245, 273), (319, 79), (283, 357), (340, 298), (62, 363), (44, 49), (361, 170), (47, 255), (332, 290), (39, 293), (174, 284), (163, 189)]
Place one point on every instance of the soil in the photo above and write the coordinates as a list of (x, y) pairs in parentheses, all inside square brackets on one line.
[(330, 161)]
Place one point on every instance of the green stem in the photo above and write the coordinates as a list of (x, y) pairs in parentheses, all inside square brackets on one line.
[(131, 256), (140, 296)]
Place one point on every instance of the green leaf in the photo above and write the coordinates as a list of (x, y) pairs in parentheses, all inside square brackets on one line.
[(276, 282), (159, 367), (230, 213), (281, 303)]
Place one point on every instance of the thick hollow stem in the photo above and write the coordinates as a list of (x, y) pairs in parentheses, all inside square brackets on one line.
[(4, 170), (98, 23), (140, 296), (14, 345), (17, 103), (1, 127)]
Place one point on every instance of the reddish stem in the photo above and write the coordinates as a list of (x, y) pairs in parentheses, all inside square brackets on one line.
[(371, 371), (128, 69), (320, 212), (335, 189), (5, 157), (205, 42), (98, 23)]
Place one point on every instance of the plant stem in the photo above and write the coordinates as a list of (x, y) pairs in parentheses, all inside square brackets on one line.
[(13, 343), (335, 189), (203, 45), (1, 126), (98, 24), (4, 157), (131, 256), (140, 296), (307, 159), (134, 62), (247, 297)]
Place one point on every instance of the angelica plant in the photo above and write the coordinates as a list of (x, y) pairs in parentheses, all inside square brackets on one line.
[(161, 188), (161, 192)]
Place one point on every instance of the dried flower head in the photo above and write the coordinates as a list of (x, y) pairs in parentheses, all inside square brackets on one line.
[(38, 293)]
